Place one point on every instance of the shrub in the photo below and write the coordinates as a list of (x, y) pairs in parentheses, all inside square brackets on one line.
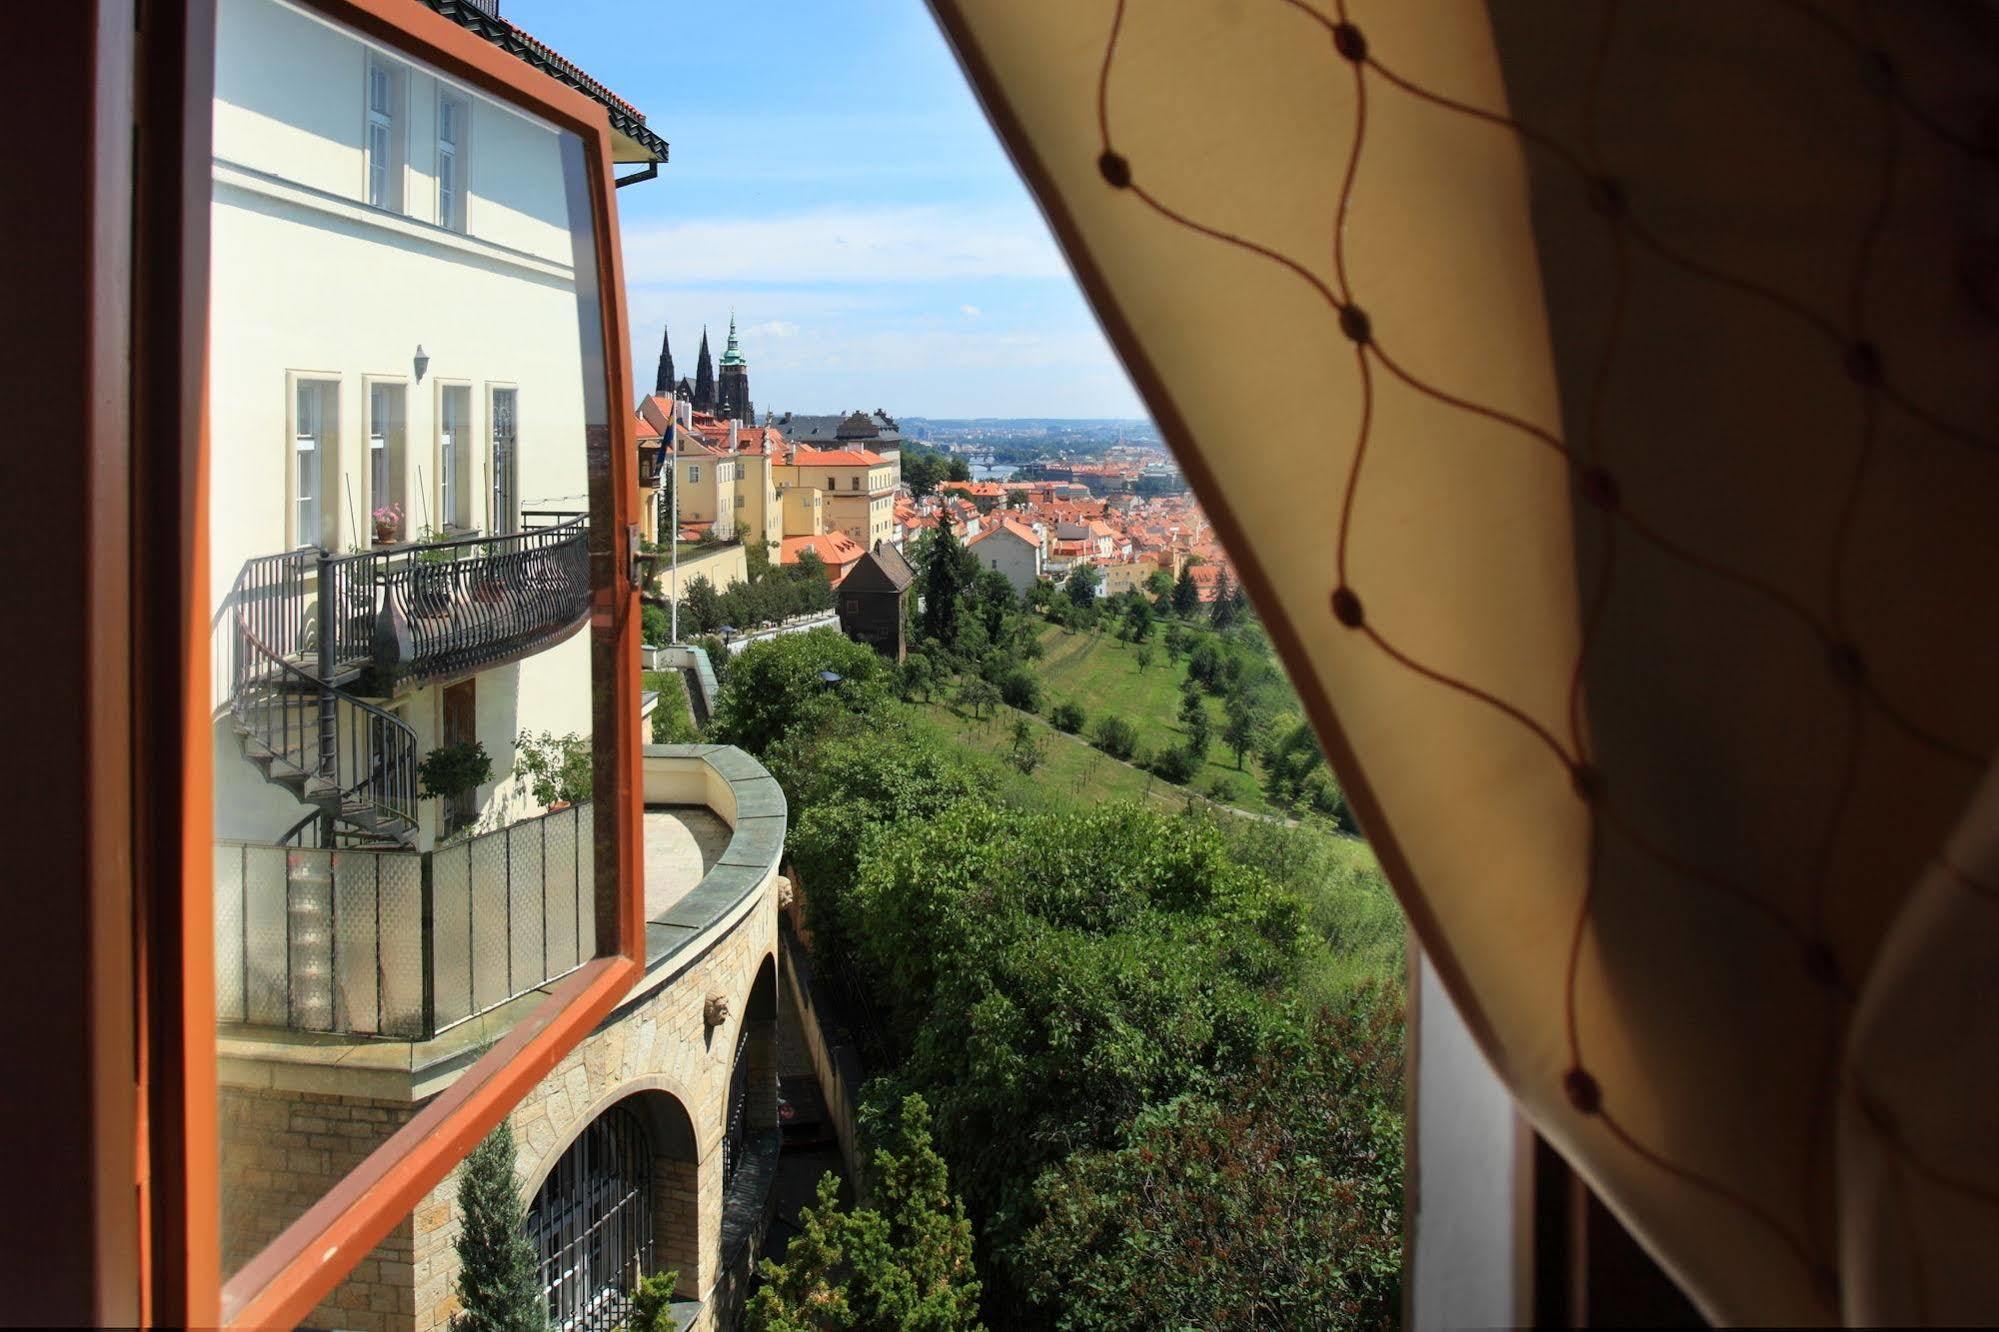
[(654, 626), (498, 1284), (652, 1303), (672, 721), (557, 767), (1019, 689), (1116, 737), (1177, 764), (1067, 716)]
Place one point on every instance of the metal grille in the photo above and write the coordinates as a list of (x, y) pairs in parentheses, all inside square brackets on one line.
[(735, 1131), (591, 1224)]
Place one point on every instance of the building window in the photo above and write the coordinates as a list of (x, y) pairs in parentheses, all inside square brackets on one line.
[(383, 149), (315, 463), (505, 462), (857, 482), (454, 448), (693, 474), (387, 418), (452, 120)]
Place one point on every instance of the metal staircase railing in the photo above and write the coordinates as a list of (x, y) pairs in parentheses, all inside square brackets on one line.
[(353, 762)]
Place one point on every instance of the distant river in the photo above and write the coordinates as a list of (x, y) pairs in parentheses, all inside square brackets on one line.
[(999, 473)]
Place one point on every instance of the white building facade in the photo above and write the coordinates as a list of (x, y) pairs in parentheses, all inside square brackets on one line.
[(397, 368)]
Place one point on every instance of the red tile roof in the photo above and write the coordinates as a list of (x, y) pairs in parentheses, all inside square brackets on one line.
[(803, 457)]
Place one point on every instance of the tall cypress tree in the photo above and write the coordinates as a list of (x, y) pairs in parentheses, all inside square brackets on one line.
[(497, 1281), (943, 580)]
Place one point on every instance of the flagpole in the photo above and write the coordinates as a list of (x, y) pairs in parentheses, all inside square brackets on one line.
[(673, 500)]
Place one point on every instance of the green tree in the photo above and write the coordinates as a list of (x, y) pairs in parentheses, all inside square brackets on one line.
[(1200, 724), (1222, 611), (1246, 712), (700, 606), (901, 1264), (1145, 655), (1026, 749), (919, 675), (978, 696), (498, 1284), (1067, 716), (957, 469), (1186, 594), (1116, 737), (807, 1293), (1016, 499), (1082, 585), (945, 577), (921, 471), (655, 628), (1274, 1202), (779, 683), (1159, 584)]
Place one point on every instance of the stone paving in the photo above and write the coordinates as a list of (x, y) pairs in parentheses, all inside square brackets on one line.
[(682, 843)]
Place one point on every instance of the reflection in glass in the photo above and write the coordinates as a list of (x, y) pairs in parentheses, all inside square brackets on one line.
[(392, 891)]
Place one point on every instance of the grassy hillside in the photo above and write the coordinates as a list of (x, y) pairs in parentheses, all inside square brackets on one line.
[(1101, 673), (1349, 905)]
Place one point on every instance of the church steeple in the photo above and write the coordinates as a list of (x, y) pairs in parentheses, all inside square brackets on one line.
[(704, 378), (732, 391), (664, 381)]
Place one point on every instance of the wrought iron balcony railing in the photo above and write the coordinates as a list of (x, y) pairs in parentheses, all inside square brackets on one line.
[(450, 607), (394, 942)]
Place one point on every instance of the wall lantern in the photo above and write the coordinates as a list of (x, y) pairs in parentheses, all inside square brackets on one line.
[(422, 362)]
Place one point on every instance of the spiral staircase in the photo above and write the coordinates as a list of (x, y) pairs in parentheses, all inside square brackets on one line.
[(303, 632)]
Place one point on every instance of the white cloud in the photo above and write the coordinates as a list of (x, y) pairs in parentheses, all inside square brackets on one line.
[(969, 311), (774, 328), (844, 245)]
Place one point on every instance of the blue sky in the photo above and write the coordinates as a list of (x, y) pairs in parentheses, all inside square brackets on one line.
[(833, 180)]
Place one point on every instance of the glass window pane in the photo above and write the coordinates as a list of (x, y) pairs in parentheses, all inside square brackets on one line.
[(393, 890)]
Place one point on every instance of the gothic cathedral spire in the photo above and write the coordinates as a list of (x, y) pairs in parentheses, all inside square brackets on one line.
[(704, 378), (664, 381)]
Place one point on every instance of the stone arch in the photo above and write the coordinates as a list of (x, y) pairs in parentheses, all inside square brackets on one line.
[(749, 1109), (671, 1206)]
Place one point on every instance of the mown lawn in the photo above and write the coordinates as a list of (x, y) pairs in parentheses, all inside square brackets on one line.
[(1101, 673)]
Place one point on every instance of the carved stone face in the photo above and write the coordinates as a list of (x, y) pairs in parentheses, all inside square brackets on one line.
[(716, 1011)]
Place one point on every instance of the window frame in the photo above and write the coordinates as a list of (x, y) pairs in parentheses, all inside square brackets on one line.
[(496, 523), (159, 1245), (459, 455), (460, 155), (398, 451), (394, 124), (328, 447)]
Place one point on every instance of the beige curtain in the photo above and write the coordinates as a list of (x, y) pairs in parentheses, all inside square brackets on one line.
[(1599, 402)]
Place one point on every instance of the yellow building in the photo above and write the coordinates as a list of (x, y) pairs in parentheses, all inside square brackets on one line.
[(858, 489)]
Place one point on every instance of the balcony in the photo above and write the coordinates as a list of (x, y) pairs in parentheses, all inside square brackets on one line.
[(398, 617), (385, 971)]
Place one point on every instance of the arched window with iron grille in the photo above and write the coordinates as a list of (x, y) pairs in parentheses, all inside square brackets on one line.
[(592, 1225)]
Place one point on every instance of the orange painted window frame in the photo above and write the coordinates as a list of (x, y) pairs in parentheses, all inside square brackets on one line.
[(176, 1121)]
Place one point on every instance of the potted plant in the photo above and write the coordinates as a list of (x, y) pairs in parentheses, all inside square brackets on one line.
[(388, 523), (452, 772)]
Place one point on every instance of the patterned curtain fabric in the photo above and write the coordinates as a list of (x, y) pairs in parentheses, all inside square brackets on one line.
[(1599, 401)]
